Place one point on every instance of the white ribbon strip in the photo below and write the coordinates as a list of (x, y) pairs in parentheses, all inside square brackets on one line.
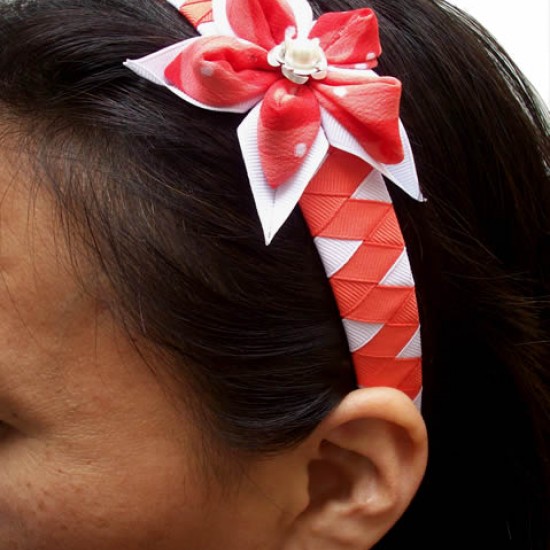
[(373, 189), (400, 273), (360, 334), (219, 11), (335, 253), (275, 205), (413, 349), (403, 174)]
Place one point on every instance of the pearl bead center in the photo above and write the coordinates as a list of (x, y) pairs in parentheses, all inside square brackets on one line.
[(299, 58)]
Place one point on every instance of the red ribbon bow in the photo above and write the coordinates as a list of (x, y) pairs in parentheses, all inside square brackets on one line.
[(234, 70)]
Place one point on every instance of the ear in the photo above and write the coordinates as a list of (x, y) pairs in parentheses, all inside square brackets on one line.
[(370, 459)]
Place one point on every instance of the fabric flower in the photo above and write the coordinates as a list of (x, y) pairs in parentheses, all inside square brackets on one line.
[(309, 84)]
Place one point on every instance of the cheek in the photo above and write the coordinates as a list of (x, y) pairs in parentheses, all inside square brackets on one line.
[(145, 503)]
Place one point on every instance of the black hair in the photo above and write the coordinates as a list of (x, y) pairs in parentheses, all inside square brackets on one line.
[(157, 191)]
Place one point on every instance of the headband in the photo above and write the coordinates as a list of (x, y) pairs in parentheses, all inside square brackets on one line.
[(323, 130)]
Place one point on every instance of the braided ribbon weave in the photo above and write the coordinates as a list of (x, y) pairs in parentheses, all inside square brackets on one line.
[(323, 130), (351, 216), (197, 12)]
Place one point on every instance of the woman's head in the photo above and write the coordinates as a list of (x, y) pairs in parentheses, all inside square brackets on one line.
[(105, 446), (169, 363)]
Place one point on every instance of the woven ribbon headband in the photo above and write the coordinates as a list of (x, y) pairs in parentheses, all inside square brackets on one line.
[(322, 131)]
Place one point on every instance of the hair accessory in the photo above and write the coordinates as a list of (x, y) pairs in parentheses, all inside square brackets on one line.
[(323, 129)]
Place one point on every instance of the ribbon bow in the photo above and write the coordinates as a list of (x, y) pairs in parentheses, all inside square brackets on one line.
[(309, 85)]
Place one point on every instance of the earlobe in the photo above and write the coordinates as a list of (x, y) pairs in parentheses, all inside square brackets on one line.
[(372, 453)]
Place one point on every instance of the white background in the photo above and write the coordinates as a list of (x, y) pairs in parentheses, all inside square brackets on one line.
[(523, 28)]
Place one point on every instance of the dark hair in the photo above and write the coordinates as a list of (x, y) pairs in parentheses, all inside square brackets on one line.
[(159, 191)]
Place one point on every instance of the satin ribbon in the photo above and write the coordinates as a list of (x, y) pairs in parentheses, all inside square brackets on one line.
[(287, 135)]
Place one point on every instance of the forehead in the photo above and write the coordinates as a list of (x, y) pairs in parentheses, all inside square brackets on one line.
[(36, 280), (61, 348), (38, 295), (52, 332)]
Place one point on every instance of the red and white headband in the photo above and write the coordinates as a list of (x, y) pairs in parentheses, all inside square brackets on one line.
[(322, 130)]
